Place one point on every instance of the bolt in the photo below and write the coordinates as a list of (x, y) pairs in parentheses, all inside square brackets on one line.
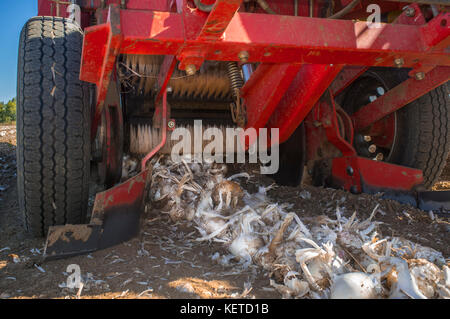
[(354, 189), (367, 138), (399, 62), (243, 56), (419, 76), (171, 124), (410, 11), (350, 170), (191, 69), (372, 148), (379, 157), (169, 89)]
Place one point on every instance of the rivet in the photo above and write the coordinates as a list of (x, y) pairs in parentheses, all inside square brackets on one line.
[(243, 56), (419, 76), (399, 62), (191, 69)]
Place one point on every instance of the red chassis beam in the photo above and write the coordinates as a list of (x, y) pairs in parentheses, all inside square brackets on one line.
[(260, 103), (321, 42), (287, 40), (305, 90), (100, 50)]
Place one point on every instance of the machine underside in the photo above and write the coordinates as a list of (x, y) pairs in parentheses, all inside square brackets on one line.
[(291, 65)]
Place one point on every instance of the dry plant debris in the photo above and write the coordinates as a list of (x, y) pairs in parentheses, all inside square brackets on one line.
[(321, 257)]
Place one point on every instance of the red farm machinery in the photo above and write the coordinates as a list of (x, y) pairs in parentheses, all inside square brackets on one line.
[(356, 88)]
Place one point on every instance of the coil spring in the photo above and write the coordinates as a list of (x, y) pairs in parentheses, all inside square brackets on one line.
[(234, 74), (92, 20)]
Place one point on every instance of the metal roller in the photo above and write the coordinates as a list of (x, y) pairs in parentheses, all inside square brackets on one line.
[(144, 137), (139, 73)]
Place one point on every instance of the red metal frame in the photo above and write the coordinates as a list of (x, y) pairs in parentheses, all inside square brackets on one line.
[(193, 36), (163, 127), (300, 58), (264, 90)]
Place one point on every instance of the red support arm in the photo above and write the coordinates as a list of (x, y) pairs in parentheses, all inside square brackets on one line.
[(436, 32), (100, 49), (213, 29), (346, 77), (165, 73), (264, 90), (305, 90), (401, 95)]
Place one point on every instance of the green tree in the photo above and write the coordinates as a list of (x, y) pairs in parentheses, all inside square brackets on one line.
[(8, 111)]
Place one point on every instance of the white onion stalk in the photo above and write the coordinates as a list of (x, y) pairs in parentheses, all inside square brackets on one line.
[(353, 285)]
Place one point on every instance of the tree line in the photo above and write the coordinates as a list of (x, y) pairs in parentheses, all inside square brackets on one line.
[(8, 111)]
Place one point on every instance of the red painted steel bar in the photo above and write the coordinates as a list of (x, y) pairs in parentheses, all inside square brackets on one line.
[(327, 114), (100, 49), (305, 90), (164, 133), (399, 96), (264, 90), (219, 19), (212, 30), (165, 73), (346, 77), (436, 31), (287, 40)]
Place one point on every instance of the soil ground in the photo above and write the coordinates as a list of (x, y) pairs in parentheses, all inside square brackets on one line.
[(165, 261)]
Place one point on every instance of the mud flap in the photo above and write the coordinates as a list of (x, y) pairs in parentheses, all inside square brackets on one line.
[(115, 219)]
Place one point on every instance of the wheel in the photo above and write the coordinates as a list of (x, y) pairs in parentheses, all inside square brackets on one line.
[(292, 159), (53, 122), (417, 135)]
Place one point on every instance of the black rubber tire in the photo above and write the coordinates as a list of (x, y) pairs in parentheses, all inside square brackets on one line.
[(53, 123), (292, 159), (423, 140)]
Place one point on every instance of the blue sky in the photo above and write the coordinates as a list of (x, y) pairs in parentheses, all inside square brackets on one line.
[(13, 15)]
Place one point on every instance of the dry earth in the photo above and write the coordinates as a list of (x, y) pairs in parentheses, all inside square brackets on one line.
[(165, 261)]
